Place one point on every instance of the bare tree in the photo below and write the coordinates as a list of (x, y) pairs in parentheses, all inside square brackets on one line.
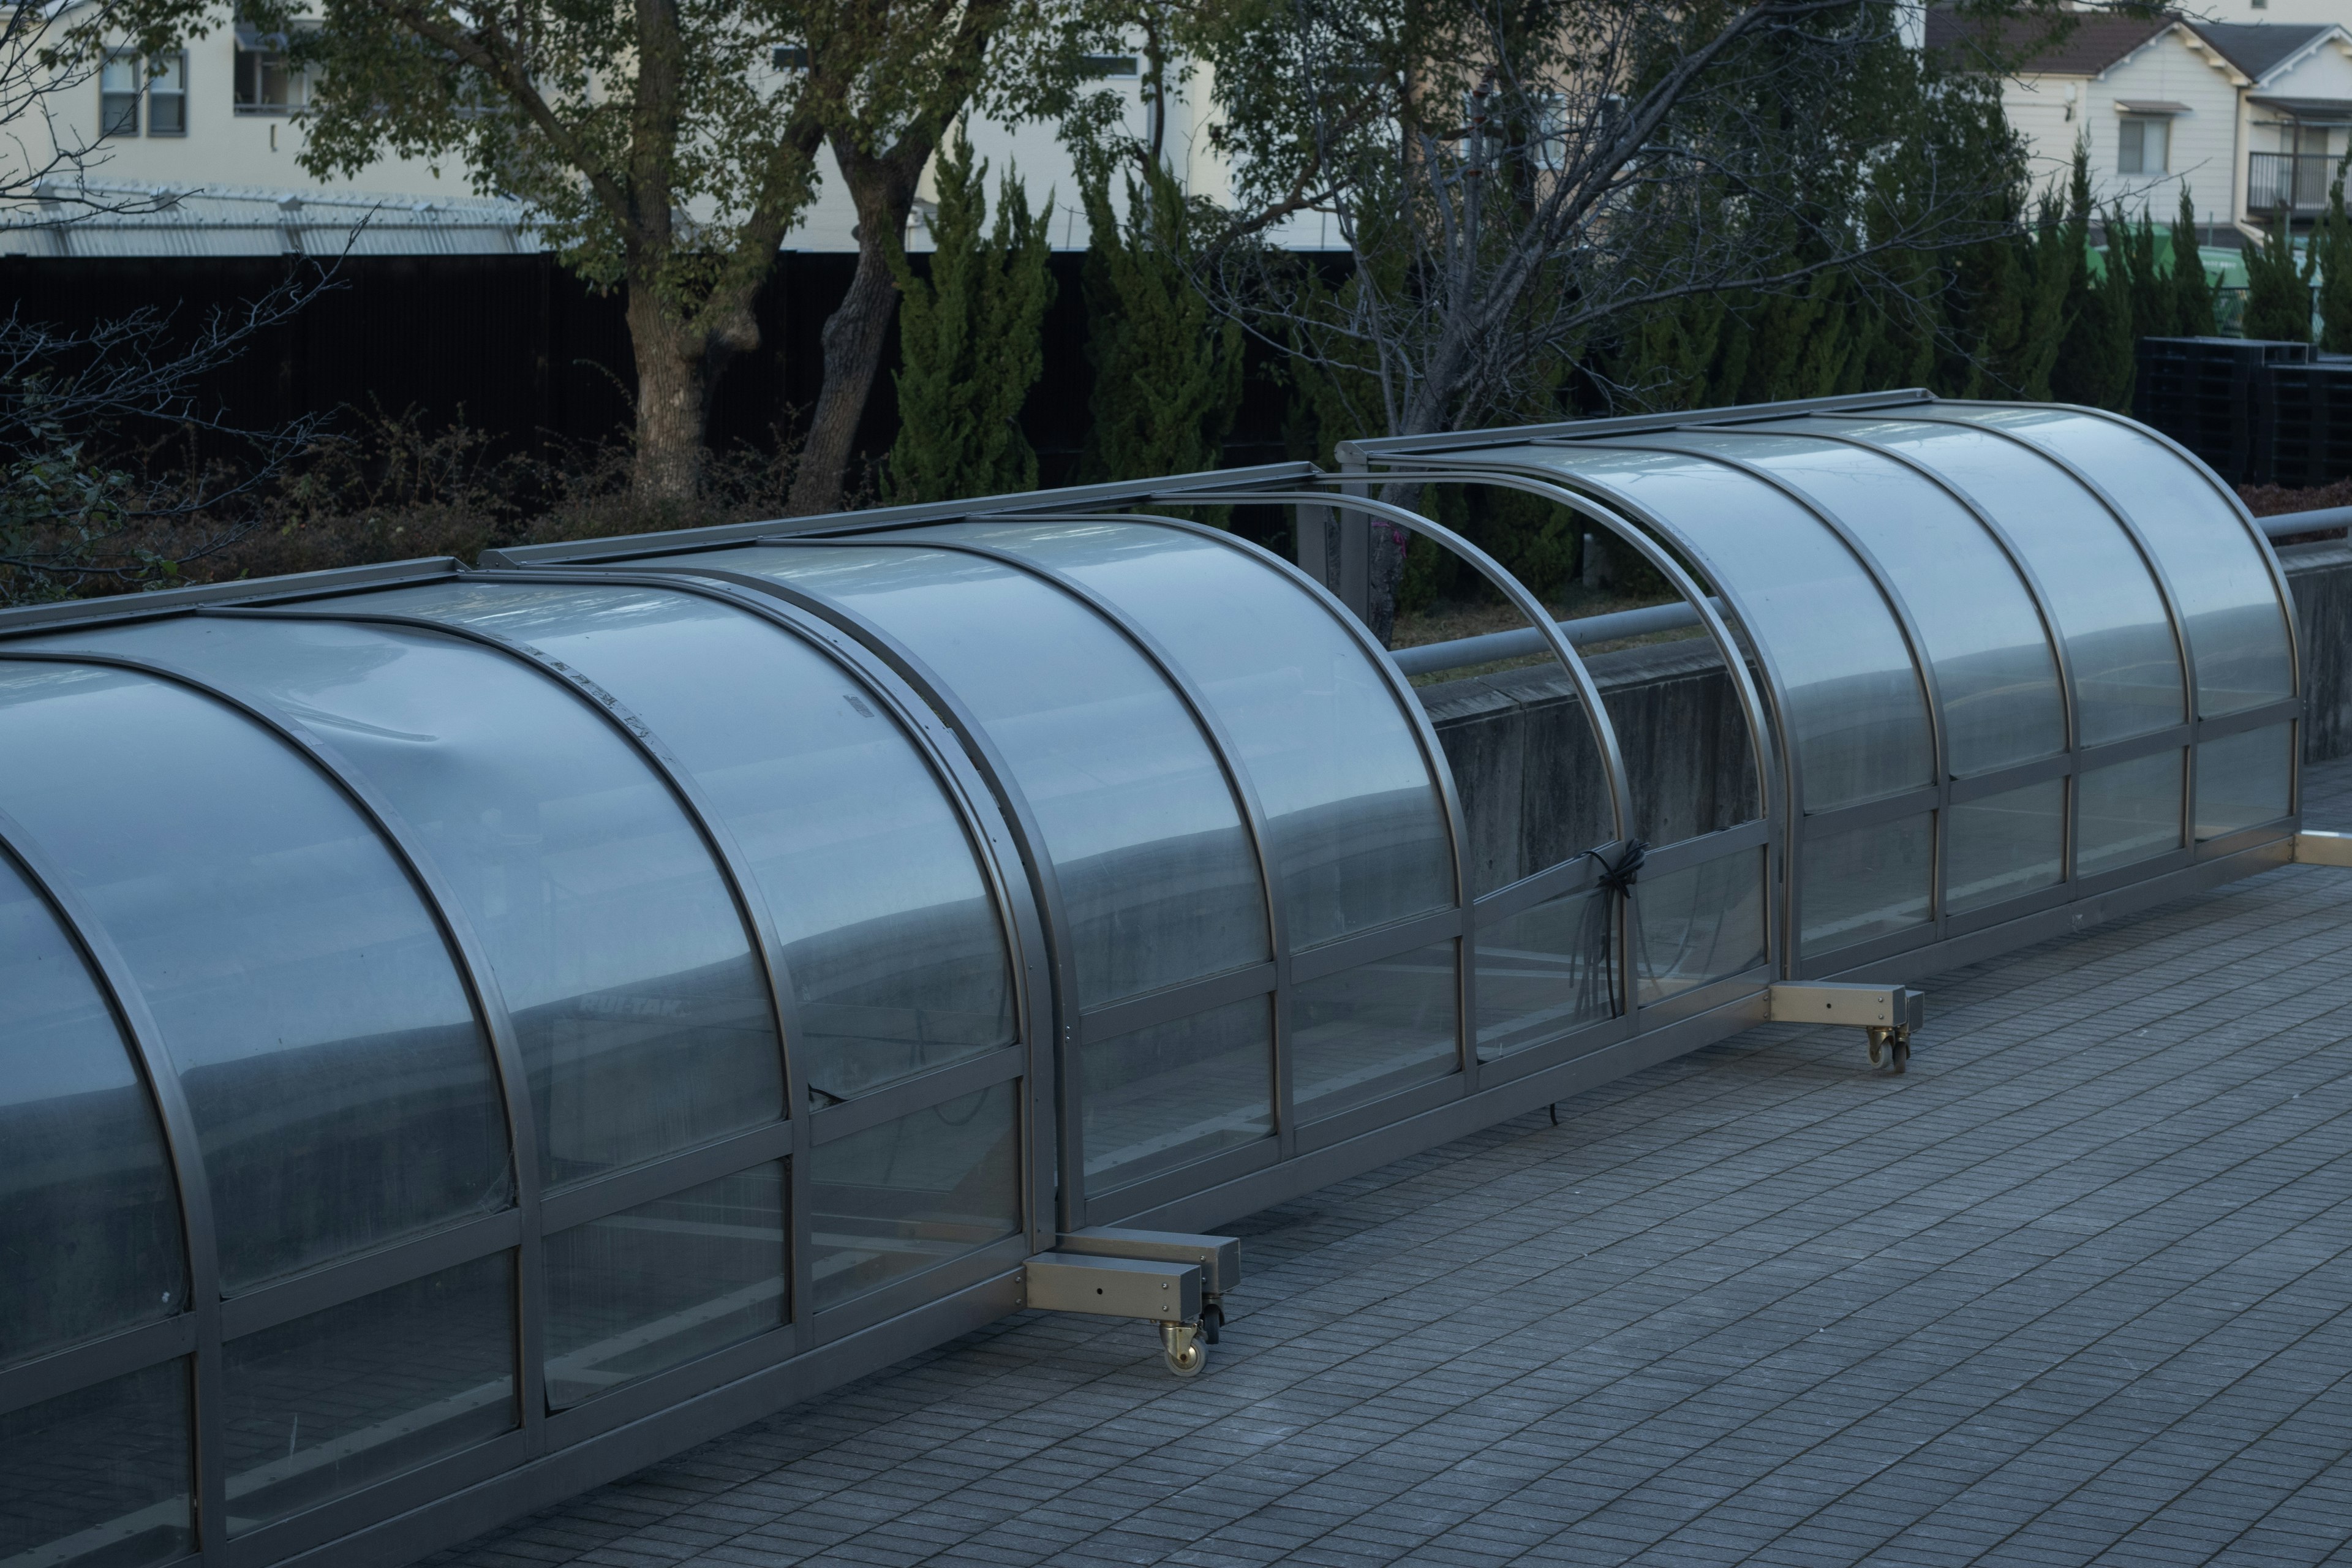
[(1514, 180)]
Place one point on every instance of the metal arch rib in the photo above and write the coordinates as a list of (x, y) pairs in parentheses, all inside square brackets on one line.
[(2053, 634), (1251, 810), (1526, 603), (1416, 718), (1029, 838), (752, 906)]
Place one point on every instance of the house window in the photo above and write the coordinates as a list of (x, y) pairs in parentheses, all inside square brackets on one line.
[(167, 95), (2144, 145), (791, 56), (118, 96), (1108, 66), (267, 81)]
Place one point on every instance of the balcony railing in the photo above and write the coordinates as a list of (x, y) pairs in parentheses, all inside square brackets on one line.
[(2288, 181)]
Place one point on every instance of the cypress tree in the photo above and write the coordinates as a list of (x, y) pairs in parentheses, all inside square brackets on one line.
[(2094, 351), (2131, 250), (1168, 372), (2331, 256), (971, 345), (2278, 298), (2193, 289)]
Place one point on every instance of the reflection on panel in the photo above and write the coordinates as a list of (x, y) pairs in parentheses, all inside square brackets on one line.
[(325, 1405), (342, 1090), (1544, 972), (2244, 780), (643, 1018), (2119, 641), (1858, 714), (2127, 812), (891, 938), (101, 1477), (1869, 882), (1156, 870), (1994, 670), (2004, 844), (1175, 1093), (1700, 924), (910, 1194), (89, 1222), (653, 1286), (1357, 830), (2219, 576), (1373, 1030)]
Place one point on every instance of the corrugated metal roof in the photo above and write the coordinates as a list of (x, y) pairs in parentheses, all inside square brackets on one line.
[(131, 218)]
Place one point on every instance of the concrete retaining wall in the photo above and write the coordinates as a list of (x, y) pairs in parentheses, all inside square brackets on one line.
[(1531, 787)]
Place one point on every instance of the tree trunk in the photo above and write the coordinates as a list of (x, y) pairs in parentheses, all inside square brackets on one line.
[(884, 189), (672, 379)]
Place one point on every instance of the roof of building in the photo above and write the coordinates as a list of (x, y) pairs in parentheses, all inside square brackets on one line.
[(128, 217), (2096, 42)]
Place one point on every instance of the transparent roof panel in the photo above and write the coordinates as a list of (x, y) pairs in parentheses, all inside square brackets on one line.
[(1358, 827), (2126, 663), (1858, 714), (1994, 669), (2237, 627), (891, 938), (342, 1088), (89, 1221), (1157, 874), (642, 1013)]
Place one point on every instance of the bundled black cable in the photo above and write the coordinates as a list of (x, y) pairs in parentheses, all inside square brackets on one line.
[(1598, 981)]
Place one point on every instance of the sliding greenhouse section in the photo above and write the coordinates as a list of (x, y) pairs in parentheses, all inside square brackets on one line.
[(466, 1034)]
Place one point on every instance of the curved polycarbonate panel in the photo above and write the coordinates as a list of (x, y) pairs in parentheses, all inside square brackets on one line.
[(1865, 883), (1357, 827), (2244, 780), (1994, 670), (1545, 971), (101, 1477), (90, 1222), (1700, 924), (2220, 580), (644, 1020), (2127, 812), (2005, 846), (890, 935), (2119, 641), (907, 1196), (1158, 878), (1858, 714), (1165, 1095), (342, 1088)]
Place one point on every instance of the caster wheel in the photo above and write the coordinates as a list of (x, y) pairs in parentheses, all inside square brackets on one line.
[(1877, 1046), (1212, 1322), (1901, 1053), (1188, 1362)]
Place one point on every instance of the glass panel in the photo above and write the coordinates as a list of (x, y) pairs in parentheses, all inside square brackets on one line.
[(323, 1405), (2244, 781), (2004, 844), (1867, 883), (1858, 714), (1357, 830), (891, 937), (1373, 1030), (1700, 924), (1528, 773), (1544, 972), (1158, 877), (2128, 812), (2119, 641), (100, 1478), (910, 1194), (89, 1220), (1993, 665), (642, 1013), (1178, 1091), (653, 1286), (342, 1090), (2219, 577)]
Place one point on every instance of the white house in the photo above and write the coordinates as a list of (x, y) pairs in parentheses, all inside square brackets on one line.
[(2252, 115)]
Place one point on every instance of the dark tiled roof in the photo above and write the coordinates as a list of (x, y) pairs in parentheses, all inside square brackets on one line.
[(2256, 46), (2094, 44)]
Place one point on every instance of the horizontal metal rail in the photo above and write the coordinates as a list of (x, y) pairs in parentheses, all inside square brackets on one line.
[(1583, 631), (2289, 523)]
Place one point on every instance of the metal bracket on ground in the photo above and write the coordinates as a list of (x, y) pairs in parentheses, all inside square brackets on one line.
[(1167, 1294), (1887, 1012), (1218, 1257), (2315, 848)]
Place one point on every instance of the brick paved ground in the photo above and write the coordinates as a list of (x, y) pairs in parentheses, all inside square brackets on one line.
[(2078, 1289)]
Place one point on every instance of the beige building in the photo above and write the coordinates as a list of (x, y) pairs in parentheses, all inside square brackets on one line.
[(2252, 114)]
